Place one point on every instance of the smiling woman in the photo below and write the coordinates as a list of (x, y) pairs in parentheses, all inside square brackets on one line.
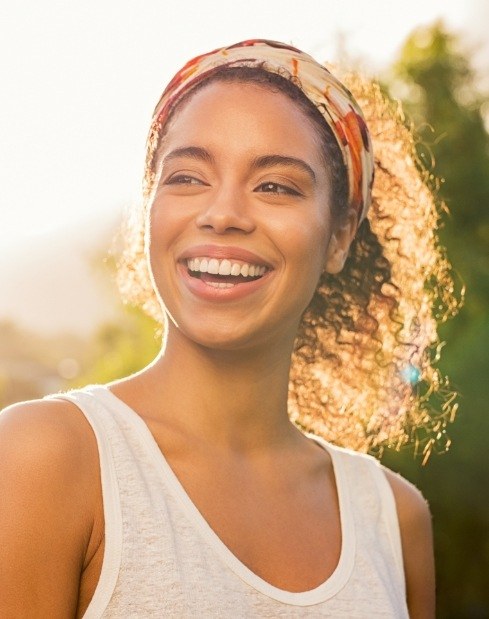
[(185, 490)]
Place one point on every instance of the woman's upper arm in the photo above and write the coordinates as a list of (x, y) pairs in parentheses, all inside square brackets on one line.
[(44, 510), (417, 547)]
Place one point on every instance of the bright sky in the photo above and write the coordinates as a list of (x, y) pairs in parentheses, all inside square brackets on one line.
[(80, 79)]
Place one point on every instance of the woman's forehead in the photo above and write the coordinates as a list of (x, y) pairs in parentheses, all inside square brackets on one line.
[(240, 115)]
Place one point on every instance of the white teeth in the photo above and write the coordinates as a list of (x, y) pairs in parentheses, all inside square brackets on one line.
[(213, 266), (225, 267)]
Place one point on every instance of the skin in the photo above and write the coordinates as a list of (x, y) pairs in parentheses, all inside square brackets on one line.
[(227, 425)]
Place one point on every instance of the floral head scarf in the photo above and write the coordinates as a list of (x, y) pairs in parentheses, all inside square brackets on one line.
[(335, 102)]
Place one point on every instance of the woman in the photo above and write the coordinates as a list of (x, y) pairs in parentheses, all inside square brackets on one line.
[(184, 490)]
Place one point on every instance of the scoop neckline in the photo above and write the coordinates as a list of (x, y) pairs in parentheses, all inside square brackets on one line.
[(324, 591)]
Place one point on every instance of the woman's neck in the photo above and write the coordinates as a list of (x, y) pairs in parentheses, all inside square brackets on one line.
[(237, 399)]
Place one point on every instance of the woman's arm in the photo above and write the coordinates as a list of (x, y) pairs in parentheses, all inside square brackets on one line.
[(45, 509), (417, 547)]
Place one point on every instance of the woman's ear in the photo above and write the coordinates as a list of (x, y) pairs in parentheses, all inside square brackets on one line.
[(340, 242)]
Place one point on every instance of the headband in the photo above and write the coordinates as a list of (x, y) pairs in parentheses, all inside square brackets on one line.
[(335, 102)]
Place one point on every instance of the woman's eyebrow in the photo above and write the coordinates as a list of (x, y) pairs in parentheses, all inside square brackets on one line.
[(265, 161), (192, 152), (268, 161)]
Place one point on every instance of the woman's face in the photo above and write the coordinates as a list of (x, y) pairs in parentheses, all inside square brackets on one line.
[(239, 228)]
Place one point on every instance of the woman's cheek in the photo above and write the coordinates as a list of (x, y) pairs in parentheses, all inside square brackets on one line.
[(165, 224), (307, 239)]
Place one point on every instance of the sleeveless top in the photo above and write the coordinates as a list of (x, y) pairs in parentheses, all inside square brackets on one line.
[(162, 559)]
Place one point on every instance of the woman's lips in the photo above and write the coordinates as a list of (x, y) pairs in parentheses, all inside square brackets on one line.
[(222, 272), (215, 287)]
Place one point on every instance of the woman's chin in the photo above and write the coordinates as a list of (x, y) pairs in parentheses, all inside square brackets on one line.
[(225, 337)]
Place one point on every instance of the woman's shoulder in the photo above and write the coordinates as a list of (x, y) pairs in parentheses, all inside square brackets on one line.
[(48, 511), (410, 502), (415, 528), (50, 441), (46, 427), (414, 516)]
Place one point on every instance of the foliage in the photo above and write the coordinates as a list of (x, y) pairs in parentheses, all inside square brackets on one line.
[(122, 348), (33, 365), (442, 100), (438, 87)]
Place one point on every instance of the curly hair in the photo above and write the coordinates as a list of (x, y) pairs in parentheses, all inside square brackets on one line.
[(363, 370)]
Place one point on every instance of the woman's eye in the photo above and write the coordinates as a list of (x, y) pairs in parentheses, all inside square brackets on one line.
[(277, 188), (183, 179)]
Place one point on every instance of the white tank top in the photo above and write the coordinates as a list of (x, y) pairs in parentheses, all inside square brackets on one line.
[(162, 559)]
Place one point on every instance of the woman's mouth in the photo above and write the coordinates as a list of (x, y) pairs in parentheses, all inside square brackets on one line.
[(224, 273)]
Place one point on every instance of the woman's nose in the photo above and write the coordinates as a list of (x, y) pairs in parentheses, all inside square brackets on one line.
[(226, 211)]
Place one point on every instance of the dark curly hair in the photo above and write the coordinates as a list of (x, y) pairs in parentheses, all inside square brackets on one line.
[(362, 371)]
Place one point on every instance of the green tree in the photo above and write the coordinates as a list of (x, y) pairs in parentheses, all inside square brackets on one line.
[(438, 87), (442, 100), (121, 348)]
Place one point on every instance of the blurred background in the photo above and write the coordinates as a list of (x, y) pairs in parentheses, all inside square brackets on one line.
[(79, 83)]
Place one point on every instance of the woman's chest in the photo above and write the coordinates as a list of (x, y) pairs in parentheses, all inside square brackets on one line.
[(283, 527)]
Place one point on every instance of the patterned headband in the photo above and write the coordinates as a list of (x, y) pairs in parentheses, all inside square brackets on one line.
[(335, 102)]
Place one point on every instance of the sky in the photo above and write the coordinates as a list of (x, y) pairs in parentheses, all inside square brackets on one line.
[(80, 80)]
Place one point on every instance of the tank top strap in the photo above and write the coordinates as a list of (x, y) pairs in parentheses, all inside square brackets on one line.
[(107, 433), (372, 494), (390, 516)]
